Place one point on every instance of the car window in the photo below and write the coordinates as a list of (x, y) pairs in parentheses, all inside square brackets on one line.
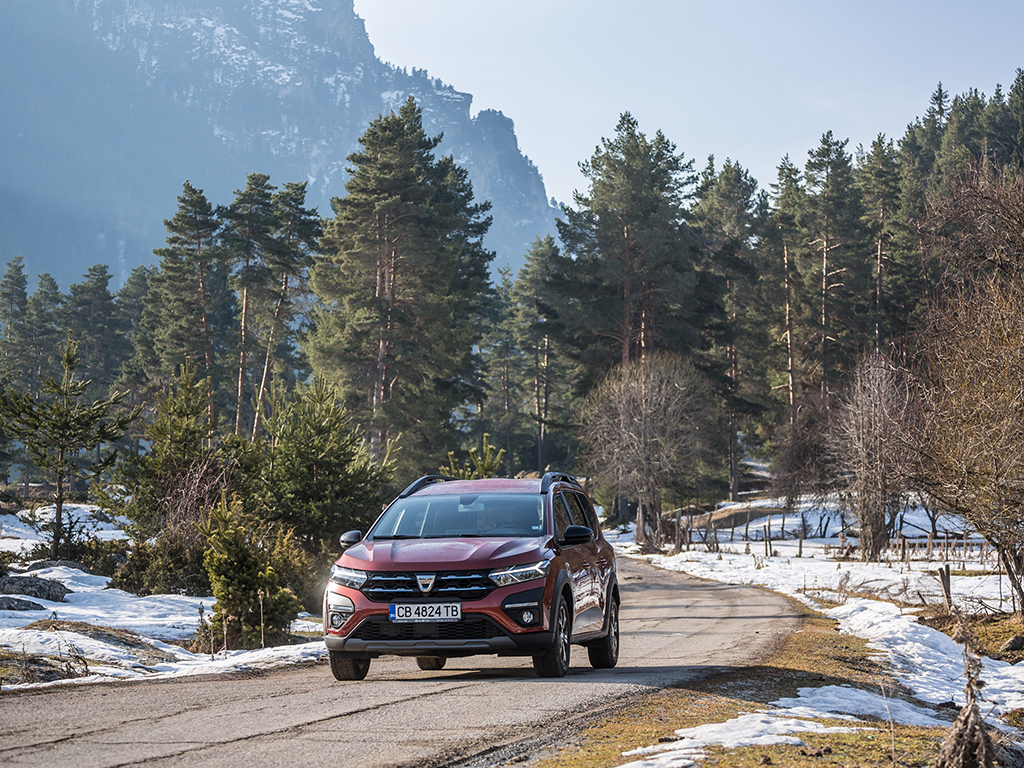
[(588, 512), (562, 518), (454, 516), (576, 509)]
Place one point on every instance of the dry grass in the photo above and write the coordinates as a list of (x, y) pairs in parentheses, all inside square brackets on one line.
[(814, 656), (21, 667)]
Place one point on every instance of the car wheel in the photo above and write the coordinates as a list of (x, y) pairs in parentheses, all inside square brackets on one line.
[(430, 663), (554, 662), (604, 654), (349, 669)]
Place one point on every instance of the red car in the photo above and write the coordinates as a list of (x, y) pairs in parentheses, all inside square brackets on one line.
[(465, 567)]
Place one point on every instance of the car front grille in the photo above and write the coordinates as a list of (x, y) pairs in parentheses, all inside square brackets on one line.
[(451, 585), (380, 628)]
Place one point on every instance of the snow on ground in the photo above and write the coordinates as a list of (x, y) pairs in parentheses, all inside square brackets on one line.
[(927, 661)]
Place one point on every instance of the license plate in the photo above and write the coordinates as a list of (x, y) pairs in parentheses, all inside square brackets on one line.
[(405, 612)]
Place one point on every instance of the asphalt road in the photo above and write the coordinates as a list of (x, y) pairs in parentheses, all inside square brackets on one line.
[(476, 712)]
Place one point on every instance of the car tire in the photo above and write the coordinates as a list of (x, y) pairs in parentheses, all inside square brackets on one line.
[(349, 669), (604, 654), (554, 662), (430, 663)]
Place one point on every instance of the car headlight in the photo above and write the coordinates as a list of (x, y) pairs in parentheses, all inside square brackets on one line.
[(347, 577), (516, 574)]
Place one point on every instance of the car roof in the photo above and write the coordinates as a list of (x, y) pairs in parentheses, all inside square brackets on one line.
[(488, 485)]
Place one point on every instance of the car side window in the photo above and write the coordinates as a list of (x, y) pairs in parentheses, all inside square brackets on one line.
[(587, 511), (562, 518), (576, 510)]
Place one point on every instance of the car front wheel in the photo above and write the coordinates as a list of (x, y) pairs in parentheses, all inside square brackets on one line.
[(555, 661), (349, 669)]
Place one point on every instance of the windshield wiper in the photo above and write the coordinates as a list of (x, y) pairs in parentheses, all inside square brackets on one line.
[(396, 536)]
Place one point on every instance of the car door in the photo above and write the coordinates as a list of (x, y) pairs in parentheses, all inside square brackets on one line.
[(578, 559), (590, 611), (602, 554)]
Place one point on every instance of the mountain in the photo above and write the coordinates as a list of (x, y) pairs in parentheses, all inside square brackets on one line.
[(108, 106)]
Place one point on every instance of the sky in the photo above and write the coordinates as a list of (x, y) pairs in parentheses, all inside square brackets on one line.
[(926, 661), (746, 80)]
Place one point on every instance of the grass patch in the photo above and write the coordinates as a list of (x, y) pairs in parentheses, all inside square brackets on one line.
[(20, 667), (17, 668), (991, 631), (816, 655)]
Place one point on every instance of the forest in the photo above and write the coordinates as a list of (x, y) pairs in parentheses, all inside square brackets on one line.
[(295, 367)]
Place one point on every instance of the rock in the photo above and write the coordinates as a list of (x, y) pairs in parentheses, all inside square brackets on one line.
[(38, 565), (33, 586), (1015, 643), (15, 604)]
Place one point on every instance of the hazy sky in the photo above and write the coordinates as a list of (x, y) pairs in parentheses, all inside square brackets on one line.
[(746, 80)]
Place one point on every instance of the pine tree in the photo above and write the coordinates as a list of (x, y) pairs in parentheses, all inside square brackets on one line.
[(631, 281), (549, 377), (192, 255), (1015, 121), (252, 609), (297, 230), (44, 315), (248, 236), (629, 276), (401, 288), (317, 476), (91, 317), (13, 329), (725, 215), (502, 363), (878, 177), (188, 307), (60, 424), (831, 224)]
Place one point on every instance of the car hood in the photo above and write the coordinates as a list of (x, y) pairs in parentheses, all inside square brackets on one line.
[(435, 554)]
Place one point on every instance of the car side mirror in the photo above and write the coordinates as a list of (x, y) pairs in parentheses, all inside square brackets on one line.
[(577, 534), (350, 538)]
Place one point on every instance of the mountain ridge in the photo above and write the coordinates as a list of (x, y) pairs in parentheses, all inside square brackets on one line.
[(113, 104)]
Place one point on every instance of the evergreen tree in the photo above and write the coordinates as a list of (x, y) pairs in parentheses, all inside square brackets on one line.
[(317, 476), (878, 177), (725, 214), (401, 289), (248, 236), (629, 277), (252, 609), (631, 281), (91, 317), (60, 424), (549, 376), (188, 308), (503, 361), (1015, 121), (831, 225), (13, 328), (44, 315), (297, 230)]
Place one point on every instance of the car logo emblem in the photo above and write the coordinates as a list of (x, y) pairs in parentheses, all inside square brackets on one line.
[(425, 581)]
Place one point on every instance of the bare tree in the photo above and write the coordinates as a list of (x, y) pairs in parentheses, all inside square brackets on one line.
[(870, 462), (970, 448), (645, 425)]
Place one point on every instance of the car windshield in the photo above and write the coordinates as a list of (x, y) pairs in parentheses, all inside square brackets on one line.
[(457, 516)]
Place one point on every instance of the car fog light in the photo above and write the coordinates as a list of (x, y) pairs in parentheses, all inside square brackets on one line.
[(336, 620), (528, 617)]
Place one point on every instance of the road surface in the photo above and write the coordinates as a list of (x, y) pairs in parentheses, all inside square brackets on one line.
[(476, 712)]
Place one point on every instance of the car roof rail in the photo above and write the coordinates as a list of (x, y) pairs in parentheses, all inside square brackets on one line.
[(424, 482), (557, 477)]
